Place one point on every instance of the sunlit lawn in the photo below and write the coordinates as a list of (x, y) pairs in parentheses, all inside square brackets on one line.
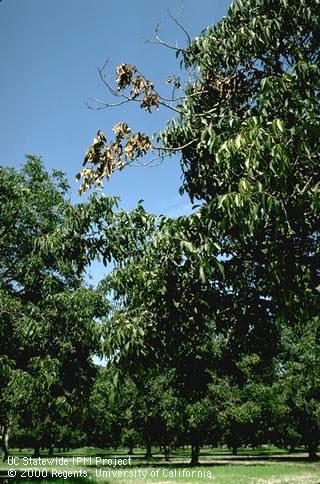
[(251, 466)]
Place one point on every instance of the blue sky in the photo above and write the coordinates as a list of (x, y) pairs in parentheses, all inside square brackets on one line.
[(50, 51)]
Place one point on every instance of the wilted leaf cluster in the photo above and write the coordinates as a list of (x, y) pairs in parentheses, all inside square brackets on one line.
[(105, 159), (139, 86)]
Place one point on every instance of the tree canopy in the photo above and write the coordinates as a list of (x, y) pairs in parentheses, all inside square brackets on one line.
[(210, 321), (247, 127)]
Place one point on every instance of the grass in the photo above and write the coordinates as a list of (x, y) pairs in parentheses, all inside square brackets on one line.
[(267, 465)]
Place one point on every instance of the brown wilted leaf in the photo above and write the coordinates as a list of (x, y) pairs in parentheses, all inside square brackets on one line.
[(124, 74), (94, 151), (121, 129), (150, 100), (137, 145), (140, 86), (106, 158)]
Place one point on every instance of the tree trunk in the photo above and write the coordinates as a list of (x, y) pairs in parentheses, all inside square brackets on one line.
[(5, 430), (148, 450), (312, 450), (130, 450), (36, 449), (50, 450), (234, 450), (167, 453), (195, 454)]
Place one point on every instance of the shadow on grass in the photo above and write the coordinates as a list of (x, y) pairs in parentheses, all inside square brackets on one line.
[(266, 458), (215, 461), (183, 465)]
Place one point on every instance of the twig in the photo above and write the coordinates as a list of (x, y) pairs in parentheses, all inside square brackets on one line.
[(175, 19), (104, 104), (178, 148), (174, 47), (306, 185)]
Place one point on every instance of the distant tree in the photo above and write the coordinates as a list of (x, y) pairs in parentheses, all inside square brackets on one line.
[(300, 382), (113, 412), (48, 329)]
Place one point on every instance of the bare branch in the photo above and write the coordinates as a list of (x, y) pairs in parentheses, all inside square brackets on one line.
[(104, 80), (306, 185), (177, 148), (104, 105), (182, 98), (169, 107), (175, 19), (160, 41), (115, 93), (150, 163), (164, 43)]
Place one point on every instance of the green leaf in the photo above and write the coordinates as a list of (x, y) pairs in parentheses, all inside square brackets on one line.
[(188, 245), (202, 274), (220, 266), (280, 125)]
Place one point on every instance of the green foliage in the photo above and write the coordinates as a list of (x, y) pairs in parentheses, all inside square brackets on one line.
[(248, 128), (209, 321), (49, 332), (214, 293), (300, 381)]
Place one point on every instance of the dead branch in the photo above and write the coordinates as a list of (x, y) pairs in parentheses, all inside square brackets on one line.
[(175, 19)]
